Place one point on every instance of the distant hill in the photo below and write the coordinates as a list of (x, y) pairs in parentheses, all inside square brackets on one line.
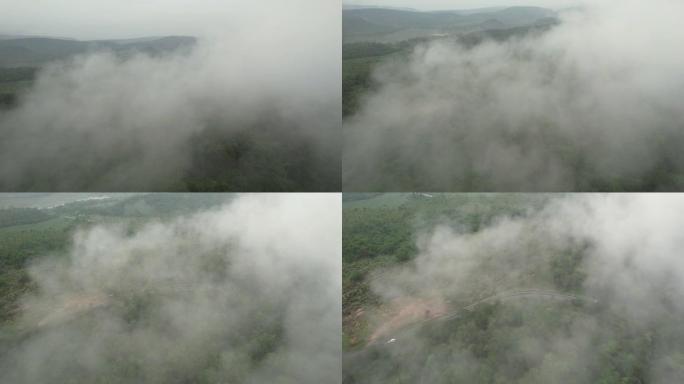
[(503, 34), (349, 6), (393, 25), (37, 51)]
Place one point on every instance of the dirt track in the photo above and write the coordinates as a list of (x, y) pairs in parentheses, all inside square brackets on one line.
[(402, 312), (72, 307), (405, 312)]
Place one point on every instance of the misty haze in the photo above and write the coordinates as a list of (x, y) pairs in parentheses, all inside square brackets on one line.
[(550, 97), (170, 96), (513, 288), (170, 288)]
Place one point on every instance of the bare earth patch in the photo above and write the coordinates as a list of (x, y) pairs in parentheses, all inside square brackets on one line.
[(73, 307), (404, 311)]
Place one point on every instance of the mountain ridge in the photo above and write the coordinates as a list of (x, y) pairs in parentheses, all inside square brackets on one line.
[(37, 51), (392, 25)]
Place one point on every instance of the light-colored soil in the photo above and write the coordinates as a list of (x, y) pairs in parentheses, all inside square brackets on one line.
[(72, 307), (354, 321), (402, 312)]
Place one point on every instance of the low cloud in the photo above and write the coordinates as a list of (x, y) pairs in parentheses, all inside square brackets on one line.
[(248, 293), (617, 257), (267, 80), (592, 104)]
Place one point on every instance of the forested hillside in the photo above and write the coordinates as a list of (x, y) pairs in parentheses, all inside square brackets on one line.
[(363, 50)]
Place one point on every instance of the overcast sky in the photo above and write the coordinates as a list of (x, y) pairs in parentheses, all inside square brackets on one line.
[(97, 19), (102, 19), (461, 4)]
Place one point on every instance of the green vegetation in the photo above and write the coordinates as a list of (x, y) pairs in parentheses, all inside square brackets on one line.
[(37, 51), (19, 216), (22, 58), (263, 157), (379, 230), (270, 154), (359, 61), (360, 50), (29, 234), (30, 237), (399, 169), (366, 43), (513, 340), (13, 81), (393, 25), (8, 75), (356, 80)]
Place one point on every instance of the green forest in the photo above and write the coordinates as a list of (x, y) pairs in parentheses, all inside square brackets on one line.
[(493, 335), (29, 234), (359, 61), (30, 237), (270, 154), (269, 151), (14, 81)]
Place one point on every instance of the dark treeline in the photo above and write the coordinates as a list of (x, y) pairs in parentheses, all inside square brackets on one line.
[(19, 216)]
